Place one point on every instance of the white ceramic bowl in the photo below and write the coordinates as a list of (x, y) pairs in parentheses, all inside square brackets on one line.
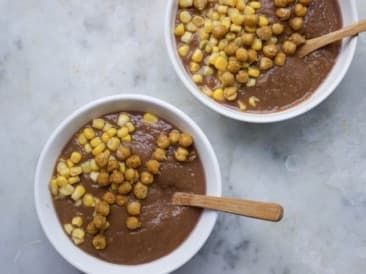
[(64, 132), (349, 15)]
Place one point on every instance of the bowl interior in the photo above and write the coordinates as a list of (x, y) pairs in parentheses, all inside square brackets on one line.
[(349, 15), (59, 138)]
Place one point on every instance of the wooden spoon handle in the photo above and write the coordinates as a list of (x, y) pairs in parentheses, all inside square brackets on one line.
[(319, 42), (259, 210)]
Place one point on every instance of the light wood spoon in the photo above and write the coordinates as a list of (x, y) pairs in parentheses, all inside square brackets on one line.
[(258, 210), (319, 42)]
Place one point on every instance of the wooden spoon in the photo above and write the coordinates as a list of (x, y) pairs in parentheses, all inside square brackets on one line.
[(319, 42), (259, 210)]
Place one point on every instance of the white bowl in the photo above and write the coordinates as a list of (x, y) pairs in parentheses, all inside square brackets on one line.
[(349, 15), (52, 149)]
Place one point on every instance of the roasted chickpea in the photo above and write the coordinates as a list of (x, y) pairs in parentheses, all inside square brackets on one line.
[(251, 20), (270, 50), (231, 93), (289, 47), (123, 153), (112, 165), (227, 78), (109, 197), (297, 38), (163, 141), (103, 179), (91, 229), (231, 48), (99, 242), (125, 188), (280, 3), (140, 190), (153, 166), (278, 28), (121, 200), (296, 23), (248, 39), (102, 158), (99, 221), (233, 66), (283, 13), (133, 223), (131, 175), (181, 154), (159, 154), (252, 55), (133, 161), (116, 177), (134, 208), (219, 31), (242, 76), (241, 54), (280, 59), (185, 140), (300, 10), (102, 208), (264, 33), (265, 63), (147, 178), (174, 136)]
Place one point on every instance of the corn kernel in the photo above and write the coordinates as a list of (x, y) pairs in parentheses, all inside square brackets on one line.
[(114, 187), (69, 163), (93, 165), (88, 148), (113, 143), (183, 50), (251, 82), (111, 132), (122, 167), (105, 137), (198, 21), (130, 126), (62, 169), (197, 56), (226, 22), (208, 26), (197, 78), (77, 221), (218, 95), (203, 34), (253, 72), (249, 10), (82, 139), (107, 126), (54, 186), (242, 106), (206, 90), (185, 17), (95, 141), (68, 228), (86, 167), (263, 21), (150, 118), (89, 133), (78, 192), (222, 9), (179, 30), (127, 139), (88, 200), (67, 190), (122, 132), (235, 28), (98, 123), (123, 118), (73, 180), (61, 181), (78, 236), (257, 44), (75, 171), (221, 63), (237, 19), (253, 101), (98, 149), (75, 157), (191, 27), (255, 5), (187, 37), (194, 67), (94, 176), (185, 3)]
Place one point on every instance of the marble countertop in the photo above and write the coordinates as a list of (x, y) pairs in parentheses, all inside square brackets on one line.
[(55, 56)]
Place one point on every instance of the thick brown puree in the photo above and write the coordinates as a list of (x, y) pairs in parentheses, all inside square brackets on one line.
[(164, 227), (284, 87)]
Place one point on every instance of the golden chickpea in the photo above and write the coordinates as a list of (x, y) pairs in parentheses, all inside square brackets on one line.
[(91, 229), (133, 161), (231, 93), (181, 154), (242, 54), (270, 50), (278, 28), (233, 66), (147, 178), (280, 59), (109, 197), (200, 4), (265, 63), (102, 208), (289, 47), (248, 39), (102, 158), (252, 56), (283, 13), (227, 78), (300, 10), (219, 31), (113, 164), (231, 48), (134, 208), (121, 200), (242, 76), (297, 38), (159, 154), (103, 179), (264, 33), (163, 141), (116, 177), (251, 20), (185, 140), (133, 223), (99, 242), (153, 166), (99, 221), (123, 153), (305, 2), (140, 190), (174, 136), (131, 175), (125, 188), (280, 3), (296, 23)]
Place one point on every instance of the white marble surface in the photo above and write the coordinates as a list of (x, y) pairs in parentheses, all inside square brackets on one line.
[(58, 55)]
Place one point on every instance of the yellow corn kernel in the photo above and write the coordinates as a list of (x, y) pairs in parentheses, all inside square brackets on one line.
[(183, 50), (82, 139), (263, 21), (207, 70), (77, 221), (127, 139), (237, 18), (218, 95), (221, 63), (251, 82), (122, 167), (179, 30), (185, 3), (255, 5), (88, 148), (113, 143), (54, 187), (130, 126), (114, 187), (253, 72), (93, 165), (123, 118), (98, 149), (69, 163), (208, 26), (194, 67), (68, 228), (249, 10), (86, 167), (197, 56), (191, 27), (253, 101), (185, 16), (75, 171), (222, 9), (197, 78), (257, 44), (61, 181), (78, 236), (75, 157), (240, 5), (78, 192), (226, 22), (212, 58), (198, 21), (250, 29), (88, 200), (150, 118), (66, 190), (89, 133), (206, 90), (94, 176), (73, 180), (187, 37), (107, 126), (122, 132), (105, 137), (95, 141), (111, 132), (242, 106), (98, 123), (203, 34), (235, 28)]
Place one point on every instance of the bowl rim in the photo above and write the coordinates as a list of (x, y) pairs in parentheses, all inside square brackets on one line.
[(210, 216), (346, 55)]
